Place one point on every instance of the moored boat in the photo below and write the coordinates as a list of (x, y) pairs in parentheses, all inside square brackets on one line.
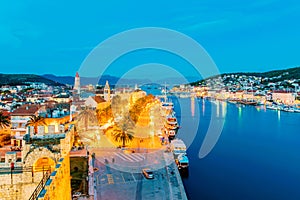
[(179, 151)]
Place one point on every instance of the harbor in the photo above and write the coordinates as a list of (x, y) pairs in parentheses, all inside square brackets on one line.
[(116, 172), (250, 154)]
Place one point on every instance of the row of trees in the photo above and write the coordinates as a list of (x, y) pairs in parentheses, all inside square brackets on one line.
[(122, 132), (136, 110), (4, 121), (104, 115), (34, 121)]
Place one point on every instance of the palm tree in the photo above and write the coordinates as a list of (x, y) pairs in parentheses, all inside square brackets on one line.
[(123, 132), (104, 115), (4, 121), (36, 121), (87, 115)]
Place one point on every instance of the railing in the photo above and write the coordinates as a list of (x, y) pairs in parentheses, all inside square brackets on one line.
[(16, 170), (40, 186)]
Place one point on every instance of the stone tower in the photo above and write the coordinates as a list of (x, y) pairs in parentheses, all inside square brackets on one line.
[(106, 92), (77, 83)]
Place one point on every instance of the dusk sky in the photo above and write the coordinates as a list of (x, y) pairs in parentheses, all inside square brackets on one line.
[(54, 37)]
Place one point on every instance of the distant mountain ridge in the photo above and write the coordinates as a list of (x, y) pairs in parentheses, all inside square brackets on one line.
[(279, 75), (94, 80), (25, 79), (115, 80), (290, 73), (49, 79)]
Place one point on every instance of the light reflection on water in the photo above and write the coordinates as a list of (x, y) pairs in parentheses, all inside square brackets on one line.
[(256, 157), (193, 106)]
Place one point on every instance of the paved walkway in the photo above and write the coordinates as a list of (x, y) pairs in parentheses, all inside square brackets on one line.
[(116, 173), (114, 184)]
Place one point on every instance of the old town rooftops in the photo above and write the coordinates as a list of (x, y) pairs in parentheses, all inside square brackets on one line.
[(26, 110)]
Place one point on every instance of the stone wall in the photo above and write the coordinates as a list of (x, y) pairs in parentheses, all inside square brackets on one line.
[(67, 143), (58, 186), (20, 187), (35, 154)]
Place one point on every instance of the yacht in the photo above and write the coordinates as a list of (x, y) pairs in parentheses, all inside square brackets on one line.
[(171, 122), (170, 133), (297, 109), (288, 109), (182, 161), (179, 151), (273, 107)]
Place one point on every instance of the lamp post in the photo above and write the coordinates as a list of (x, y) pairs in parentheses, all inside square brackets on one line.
[(12, 167)]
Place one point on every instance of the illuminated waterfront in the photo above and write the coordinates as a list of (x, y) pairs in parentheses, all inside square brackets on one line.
[(256, 157)]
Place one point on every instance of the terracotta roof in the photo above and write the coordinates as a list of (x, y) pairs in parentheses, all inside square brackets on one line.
[(7, 99), (76, 103), (281, 91), (5, 112), (26, 110), (98, 99)]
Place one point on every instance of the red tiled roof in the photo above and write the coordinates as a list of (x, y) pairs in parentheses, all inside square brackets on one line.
[(281, 91), (26, 110), (5, 112), (8, 99), (98, 99)]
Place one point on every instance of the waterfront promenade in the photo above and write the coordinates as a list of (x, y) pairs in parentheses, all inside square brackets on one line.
[(115, 180), (116, 173)]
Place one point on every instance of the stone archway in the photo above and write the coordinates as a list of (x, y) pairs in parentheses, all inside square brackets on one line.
[(40, 157), (43, 164)]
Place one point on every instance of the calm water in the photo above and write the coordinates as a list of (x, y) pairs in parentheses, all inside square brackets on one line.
[(256, 157)]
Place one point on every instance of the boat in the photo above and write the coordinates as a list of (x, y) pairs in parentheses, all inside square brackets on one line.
[(178, 146), (179, 151), (171, 122), (234, 100), (182, 161), (288, 109), (166, 105), (170, 133), (272, 107), (297, 109), (248, 102)]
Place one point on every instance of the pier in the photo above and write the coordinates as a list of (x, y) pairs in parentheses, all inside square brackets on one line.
[(123, 179)]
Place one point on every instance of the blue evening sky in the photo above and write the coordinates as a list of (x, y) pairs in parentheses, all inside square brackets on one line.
[(54, 37)]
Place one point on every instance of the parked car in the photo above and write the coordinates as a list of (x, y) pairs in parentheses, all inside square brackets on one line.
[(77, 194), (148, 173)]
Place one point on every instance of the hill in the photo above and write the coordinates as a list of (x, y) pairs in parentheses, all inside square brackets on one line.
[(83, 80), (25, 79), (278, 75), (290, 73), (115, 80), (94, 80)]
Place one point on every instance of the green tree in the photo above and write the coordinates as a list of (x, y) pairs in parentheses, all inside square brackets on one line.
[(36, 121), (104, 115), (123, 132), (87, 116), (139, 106), (4, 121)]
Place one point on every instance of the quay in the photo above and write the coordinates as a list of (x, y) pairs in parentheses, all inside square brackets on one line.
[(123, 179)]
